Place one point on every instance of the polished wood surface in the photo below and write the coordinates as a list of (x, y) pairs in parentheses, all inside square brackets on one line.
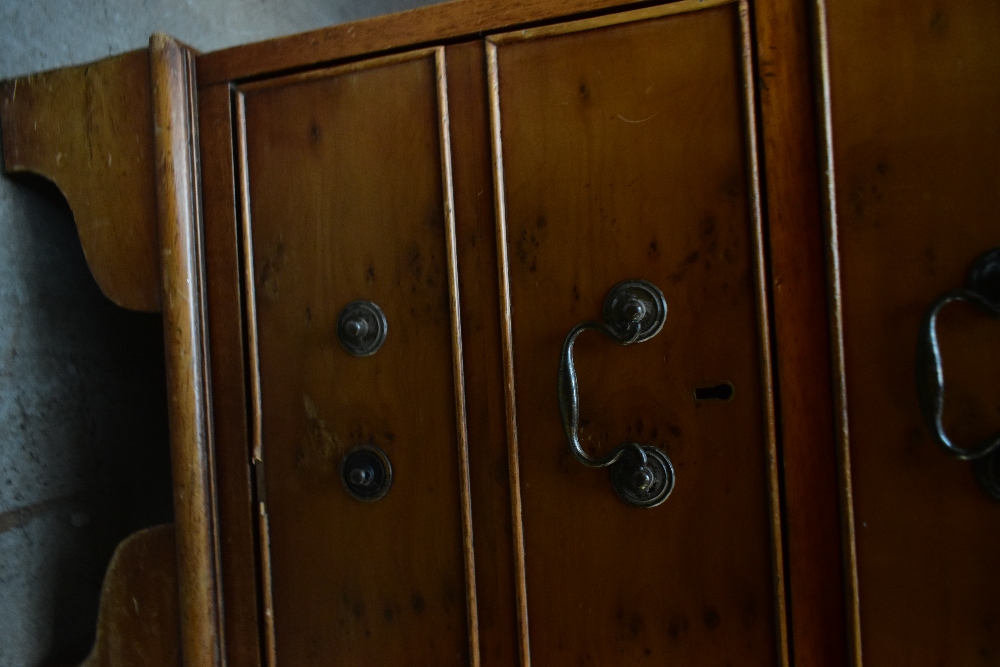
[(496, 574), (798, 287), (439, 23), (137, 624), (89, 130), (227, 355), (487, 194), (346, 201), (916, 138), (625, 155), (178, 197)]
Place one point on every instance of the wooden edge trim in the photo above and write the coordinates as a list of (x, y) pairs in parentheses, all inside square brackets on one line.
[(465, 491), (448, 21), (580, 25), (184, 326), (513, 456), (270, 645), (764, 333), (88, 129), (829, 194), (336, 70), (256, 421), (249, 287)]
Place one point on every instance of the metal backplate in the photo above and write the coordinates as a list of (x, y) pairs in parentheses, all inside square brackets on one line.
[(623, 470), (361, 328), (984, 275), (620, 308), (987, 471), (366, 473)]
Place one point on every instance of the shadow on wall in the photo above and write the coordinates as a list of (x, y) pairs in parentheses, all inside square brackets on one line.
[(84, 452)]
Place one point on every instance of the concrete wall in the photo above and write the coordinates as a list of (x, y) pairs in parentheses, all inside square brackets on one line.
[(83, 449)]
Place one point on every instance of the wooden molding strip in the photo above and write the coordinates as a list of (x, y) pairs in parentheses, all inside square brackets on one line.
[(580, 25), (89, 130), (227, 352), (767, 378), (836, 315), (448, 21), (337, 70), (270, 645), (256, 421), (461, 426), (803, 372), (184, 326), (513, 456)]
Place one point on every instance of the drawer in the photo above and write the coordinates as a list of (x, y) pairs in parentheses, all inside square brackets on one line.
[(627, 153), (346, 202), (917, 151)]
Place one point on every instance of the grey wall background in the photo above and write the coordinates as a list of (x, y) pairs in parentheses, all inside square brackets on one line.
[(83, 450)]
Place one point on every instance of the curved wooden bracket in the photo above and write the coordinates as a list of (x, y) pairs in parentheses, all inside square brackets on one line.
[(137, 624), (119, 138), (89, 130)]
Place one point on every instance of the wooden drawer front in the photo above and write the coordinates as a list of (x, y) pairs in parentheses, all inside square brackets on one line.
[(916, 128), (346, 202), (625, 155)]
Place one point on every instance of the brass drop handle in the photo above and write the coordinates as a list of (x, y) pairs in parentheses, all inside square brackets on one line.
[(642, 475), (982, 289)]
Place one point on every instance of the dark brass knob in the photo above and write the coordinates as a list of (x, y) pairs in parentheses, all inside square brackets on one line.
[(361, 328), (361, 477), (366, 473)]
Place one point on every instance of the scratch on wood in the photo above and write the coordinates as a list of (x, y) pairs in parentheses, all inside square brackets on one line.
[(627, 120)]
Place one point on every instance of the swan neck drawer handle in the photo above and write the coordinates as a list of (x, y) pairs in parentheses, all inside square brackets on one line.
[(642, 475), (982, 289)]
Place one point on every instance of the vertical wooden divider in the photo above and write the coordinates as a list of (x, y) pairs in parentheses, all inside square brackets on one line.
[(461, 428), (184, 326), (227, 352), (767, 376), (836, 324), (249, 292), (472, 174), (508, 353)]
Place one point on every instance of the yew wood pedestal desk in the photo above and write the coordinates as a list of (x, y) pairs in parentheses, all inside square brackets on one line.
[(557, 332)]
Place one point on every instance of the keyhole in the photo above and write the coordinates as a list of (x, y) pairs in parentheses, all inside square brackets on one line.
[(719, 392)]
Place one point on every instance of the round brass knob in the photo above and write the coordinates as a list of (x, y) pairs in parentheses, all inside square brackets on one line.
[(366, 473), (361, 328)]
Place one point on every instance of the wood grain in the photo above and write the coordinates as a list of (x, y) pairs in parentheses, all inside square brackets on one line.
[(449, 21), (765, 339), (506, 337), (184, 328), (625, 155), (801, 328), (916, 148), (457, 355), (224, 307), (481, 344), (346, 201), (137, 624), (89, 130)]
